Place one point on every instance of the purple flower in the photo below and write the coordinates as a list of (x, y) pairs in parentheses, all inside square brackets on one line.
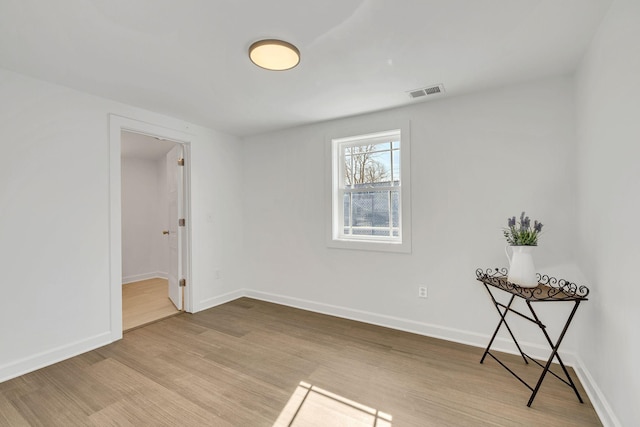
[(520, 233)]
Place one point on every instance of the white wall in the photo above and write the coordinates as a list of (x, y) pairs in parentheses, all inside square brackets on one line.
[(54, 219), (217, 234), (609, 206), (476, 160), (144, 248)]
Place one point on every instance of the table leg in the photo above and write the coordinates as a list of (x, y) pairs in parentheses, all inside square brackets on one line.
[(554, 353), (502, 320)]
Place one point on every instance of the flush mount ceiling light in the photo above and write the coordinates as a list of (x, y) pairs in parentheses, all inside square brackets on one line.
[(274, 55)]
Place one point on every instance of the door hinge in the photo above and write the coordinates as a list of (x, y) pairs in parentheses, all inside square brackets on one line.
[(181, 222), (183, 283), (180, 162)]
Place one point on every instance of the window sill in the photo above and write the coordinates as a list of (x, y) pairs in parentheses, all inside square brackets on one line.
[(370, 245)]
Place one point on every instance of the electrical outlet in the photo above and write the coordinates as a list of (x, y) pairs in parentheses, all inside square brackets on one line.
[(422, 291)]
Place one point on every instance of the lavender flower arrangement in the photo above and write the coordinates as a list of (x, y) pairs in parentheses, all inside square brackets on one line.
[(521, 233)]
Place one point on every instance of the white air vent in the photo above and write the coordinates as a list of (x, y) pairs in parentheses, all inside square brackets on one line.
[(431, 90)]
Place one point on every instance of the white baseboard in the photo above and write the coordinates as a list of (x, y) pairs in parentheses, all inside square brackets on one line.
[(220, 299), (435, 331), (597, 398), (49, 357), (144, 276)]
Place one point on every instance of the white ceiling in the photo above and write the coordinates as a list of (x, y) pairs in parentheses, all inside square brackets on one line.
[(188, 58)]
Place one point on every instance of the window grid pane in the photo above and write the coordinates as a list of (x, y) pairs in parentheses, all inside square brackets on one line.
[(396, 166), (374, 213)]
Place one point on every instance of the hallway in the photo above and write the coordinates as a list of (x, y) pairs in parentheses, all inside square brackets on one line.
[(145, 302)]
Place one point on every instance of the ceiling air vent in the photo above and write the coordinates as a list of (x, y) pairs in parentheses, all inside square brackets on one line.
[(431, 90)]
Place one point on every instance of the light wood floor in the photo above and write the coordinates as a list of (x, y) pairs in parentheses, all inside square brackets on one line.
[(242, 363), (144, 302)]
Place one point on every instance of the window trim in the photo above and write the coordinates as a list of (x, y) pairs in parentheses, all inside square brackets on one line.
[(340, 144), (334, 169)]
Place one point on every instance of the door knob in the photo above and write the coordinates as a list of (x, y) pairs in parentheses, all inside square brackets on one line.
[(165, 231)]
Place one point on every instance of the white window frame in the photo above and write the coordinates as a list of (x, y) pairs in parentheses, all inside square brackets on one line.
[(335, 235)]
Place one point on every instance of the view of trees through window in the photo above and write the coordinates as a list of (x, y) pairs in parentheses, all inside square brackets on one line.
[(371, 189), (371, 163)]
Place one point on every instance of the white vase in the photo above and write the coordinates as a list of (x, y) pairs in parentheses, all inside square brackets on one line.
[(522, 272)]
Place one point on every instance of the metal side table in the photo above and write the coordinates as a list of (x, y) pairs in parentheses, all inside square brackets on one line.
[(549, 289)]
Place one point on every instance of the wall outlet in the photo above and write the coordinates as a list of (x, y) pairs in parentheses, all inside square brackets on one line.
[(422, 291)]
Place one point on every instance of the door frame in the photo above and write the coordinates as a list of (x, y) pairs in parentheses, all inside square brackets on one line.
[(117, 124)]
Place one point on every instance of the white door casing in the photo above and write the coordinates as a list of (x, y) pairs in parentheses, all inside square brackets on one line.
[(117, 124)]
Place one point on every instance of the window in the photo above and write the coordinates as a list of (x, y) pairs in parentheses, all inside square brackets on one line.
[(369, 192)]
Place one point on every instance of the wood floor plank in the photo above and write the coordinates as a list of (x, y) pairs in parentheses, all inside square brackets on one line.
[(239, 364), (71, 380), (47, 406), (9, 414)]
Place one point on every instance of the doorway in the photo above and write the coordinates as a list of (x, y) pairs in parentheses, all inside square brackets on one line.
[(150, 224), (151, 189)]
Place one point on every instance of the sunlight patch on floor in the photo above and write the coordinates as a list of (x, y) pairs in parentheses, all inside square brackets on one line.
[(312, 406)]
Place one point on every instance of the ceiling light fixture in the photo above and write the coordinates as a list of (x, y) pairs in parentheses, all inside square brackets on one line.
[(276, 55)]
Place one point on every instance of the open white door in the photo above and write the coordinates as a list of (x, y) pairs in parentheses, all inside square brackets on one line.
[(175, 180)]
